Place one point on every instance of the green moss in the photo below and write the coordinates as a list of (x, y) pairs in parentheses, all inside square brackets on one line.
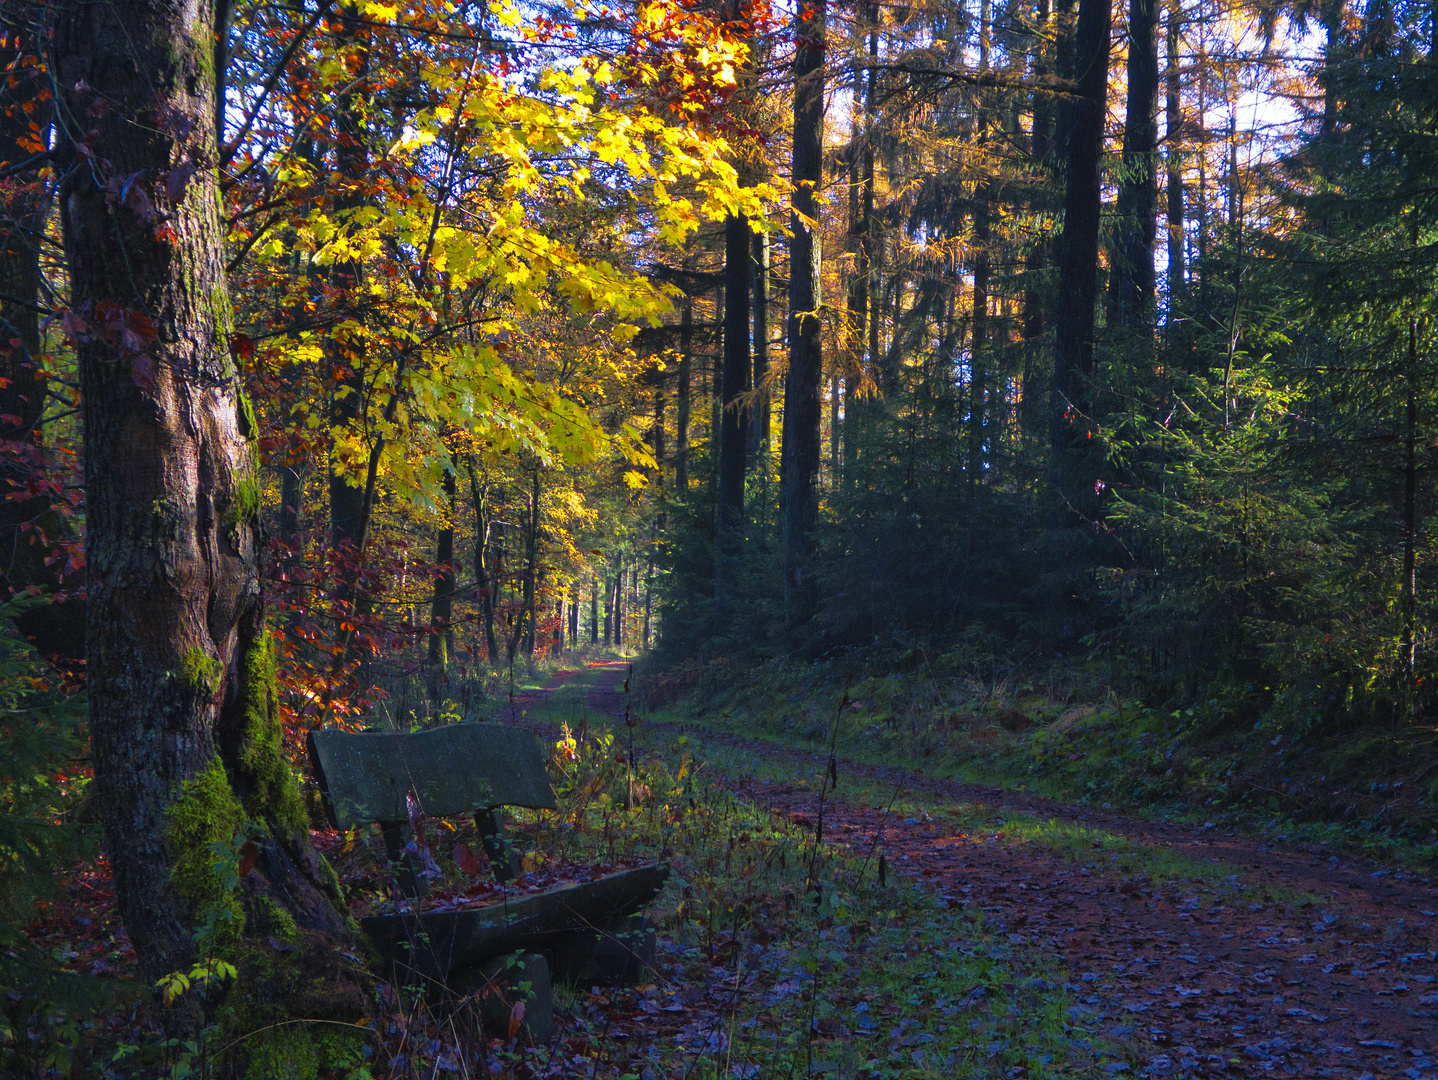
[(249, 426), (200, 671), (284, 1053), (303, 1052), (272, 789), (205, 814), (246, 503), (277, 922)]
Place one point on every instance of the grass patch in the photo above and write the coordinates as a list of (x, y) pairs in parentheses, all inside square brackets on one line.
[(1198, 765)]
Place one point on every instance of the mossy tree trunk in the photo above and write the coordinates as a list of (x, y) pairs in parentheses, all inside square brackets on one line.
[(187, 745)]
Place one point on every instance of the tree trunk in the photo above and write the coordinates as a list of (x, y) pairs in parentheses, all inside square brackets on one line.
[(681, 422), (594, 612), (1409, 637), (979, 341), (346, 354), (441, 608), (609, 589), (759, 285), (30, 527), (1173, 138), (619, 607), (186, 739), (531, 567), (1132, 290), (1078, 258), (802, 405), (483, 580), (729, 523)]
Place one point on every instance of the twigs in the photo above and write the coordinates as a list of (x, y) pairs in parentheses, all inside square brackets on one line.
[(829, 782)]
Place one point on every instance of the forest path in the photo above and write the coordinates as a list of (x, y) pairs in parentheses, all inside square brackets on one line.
[(1257, 960)]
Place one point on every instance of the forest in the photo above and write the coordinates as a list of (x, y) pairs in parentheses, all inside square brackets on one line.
[(947, 485)]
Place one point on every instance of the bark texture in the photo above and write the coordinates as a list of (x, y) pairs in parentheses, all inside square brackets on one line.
[(180, 680), (1078, 248), (1132, 293), (802, 404), (733, 433)]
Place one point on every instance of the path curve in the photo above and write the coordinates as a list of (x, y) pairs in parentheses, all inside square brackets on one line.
[(1325, 968)]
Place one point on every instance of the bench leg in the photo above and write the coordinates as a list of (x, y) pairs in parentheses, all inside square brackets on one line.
[(411, 883), (620, 953), (500, 985), (503, 860)]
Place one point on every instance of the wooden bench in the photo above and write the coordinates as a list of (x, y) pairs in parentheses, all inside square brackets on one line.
[(587, 930)]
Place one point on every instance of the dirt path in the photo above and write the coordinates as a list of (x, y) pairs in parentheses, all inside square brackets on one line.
[(1340, 985)]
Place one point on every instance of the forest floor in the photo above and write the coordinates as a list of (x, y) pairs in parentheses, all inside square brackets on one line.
[(993, 933), (1202, 951)]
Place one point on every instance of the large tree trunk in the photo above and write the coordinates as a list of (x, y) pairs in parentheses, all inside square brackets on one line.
[(1078, 256), (181, 685), (802, 405)]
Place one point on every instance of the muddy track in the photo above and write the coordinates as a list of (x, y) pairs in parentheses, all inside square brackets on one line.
[(1316, 967)]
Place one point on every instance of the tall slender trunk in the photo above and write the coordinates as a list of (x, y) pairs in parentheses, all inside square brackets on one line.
[(1078, 259), (648, 595), (1173, 155), (186, 741), (759, 426), (733, 434), (594, 611), (979, 340), (574, 599), (441, 607), (1410, 508), (531, 567), (1066, 66), (1200, 201), (802, 406), (346, 354), (1131, 293), (681, 434), (857, 314), (870, 239), (483, 580), (619, 607)]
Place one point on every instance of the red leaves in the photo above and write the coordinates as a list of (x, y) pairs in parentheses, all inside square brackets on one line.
[(242, 346), (516, 1019), (248, 854), (466, 859)]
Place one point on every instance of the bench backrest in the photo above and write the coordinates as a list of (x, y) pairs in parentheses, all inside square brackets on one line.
[(452, 770)]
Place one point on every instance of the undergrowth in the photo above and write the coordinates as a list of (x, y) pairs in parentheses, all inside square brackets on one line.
[(778, 956)]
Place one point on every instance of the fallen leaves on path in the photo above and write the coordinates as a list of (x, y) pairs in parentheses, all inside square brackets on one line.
[(1286, 962)]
